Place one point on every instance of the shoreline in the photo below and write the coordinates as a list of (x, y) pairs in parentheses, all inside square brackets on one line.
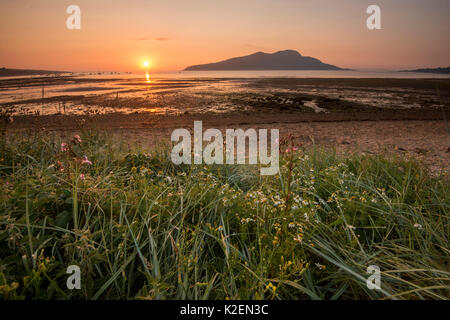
[(403, 116), (421, 135)]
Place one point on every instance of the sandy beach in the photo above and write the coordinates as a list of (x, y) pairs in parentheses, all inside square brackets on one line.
[(399, 116), (422, 135)]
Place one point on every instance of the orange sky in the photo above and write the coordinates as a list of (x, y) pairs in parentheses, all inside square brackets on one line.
[(119, 35)]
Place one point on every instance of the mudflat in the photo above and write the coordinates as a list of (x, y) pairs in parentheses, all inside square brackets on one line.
[(400, 116)]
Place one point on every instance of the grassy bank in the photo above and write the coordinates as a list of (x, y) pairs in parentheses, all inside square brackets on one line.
[(140, 227)]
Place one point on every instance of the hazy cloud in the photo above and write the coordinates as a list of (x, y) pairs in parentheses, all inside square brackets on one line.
[(154, 39)]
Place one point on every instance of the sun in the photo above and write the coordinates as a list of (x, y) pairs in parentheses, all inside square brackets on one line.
[(146, 64)]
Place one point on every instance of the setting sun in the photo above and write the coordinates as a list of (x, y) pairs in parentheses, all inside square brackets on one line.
[(146, 64)]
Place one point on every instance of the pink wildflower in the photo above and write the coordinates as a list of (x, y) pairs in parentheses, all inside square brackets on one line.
[(64, 147), (85, 160), (293, 149), (82, 176), (76, 139)]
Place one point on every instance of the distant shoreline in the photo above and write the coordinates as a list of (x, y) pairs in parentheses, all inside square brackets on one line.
[(5, 72), (430, 70)]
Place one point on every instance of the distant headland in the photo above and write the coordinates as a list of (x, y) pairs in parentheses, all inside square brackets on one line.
[(281, 60), (430, 70), (5, 72)]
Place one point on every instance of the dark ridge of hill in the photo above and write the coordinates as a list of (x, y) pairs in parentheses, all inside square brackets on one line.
[(5, 72), (430, 70), (281, 60)]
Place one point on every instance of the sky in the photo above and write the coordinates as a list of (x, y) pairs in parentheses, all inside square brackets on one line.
[(119, 35)]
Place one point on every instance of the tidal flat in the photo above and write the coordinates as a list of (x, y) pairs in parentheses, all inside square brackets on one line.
[(372, 115)]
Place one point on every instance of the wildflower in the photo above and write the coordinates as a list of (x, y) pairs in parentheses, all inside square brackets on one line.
[(271, 287), (144, 170), (291, 225), (133, 169), (293, 149), (299, 238), (418, 226), (320, 266), (306, 217), (246, 220), (85, 160), (60, 166), (275, 241), (220, 228), (64, 147), (82, 176), (76, 139)]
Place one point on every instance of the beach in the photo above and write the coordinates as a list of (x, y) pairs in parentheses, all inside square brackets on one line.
[(406, 117)]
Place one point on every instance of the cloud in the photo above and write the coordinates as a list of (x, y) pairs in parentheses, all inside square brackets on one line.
[(154, 39)]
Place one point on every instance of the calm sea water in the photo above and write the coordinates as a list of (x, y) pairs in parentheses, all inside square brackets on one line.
[(299, 74), (259, 74)]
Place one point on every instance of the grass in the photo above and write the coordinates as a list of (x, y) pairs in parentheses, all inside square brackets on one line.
[(140, 227)]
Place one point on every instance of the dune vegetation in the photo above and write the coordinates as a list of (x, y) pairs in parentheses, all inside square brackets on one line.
[(140, 227)]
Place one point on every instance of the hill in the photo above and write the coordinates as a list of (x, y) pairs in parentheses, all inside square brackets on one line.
[(430, 70), (281, 60), (5, 72)]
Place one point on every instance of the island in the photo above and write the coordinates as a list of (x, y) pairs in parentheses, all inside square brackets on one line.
[(281, 60)]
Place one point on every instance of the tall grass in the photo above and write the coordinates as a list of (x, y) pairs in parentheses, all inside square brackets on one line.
[(140, 227)]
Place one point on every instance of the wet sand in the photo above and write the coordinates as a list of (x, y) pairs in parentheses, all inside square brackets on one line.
[(422, 135), (394, 116)]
